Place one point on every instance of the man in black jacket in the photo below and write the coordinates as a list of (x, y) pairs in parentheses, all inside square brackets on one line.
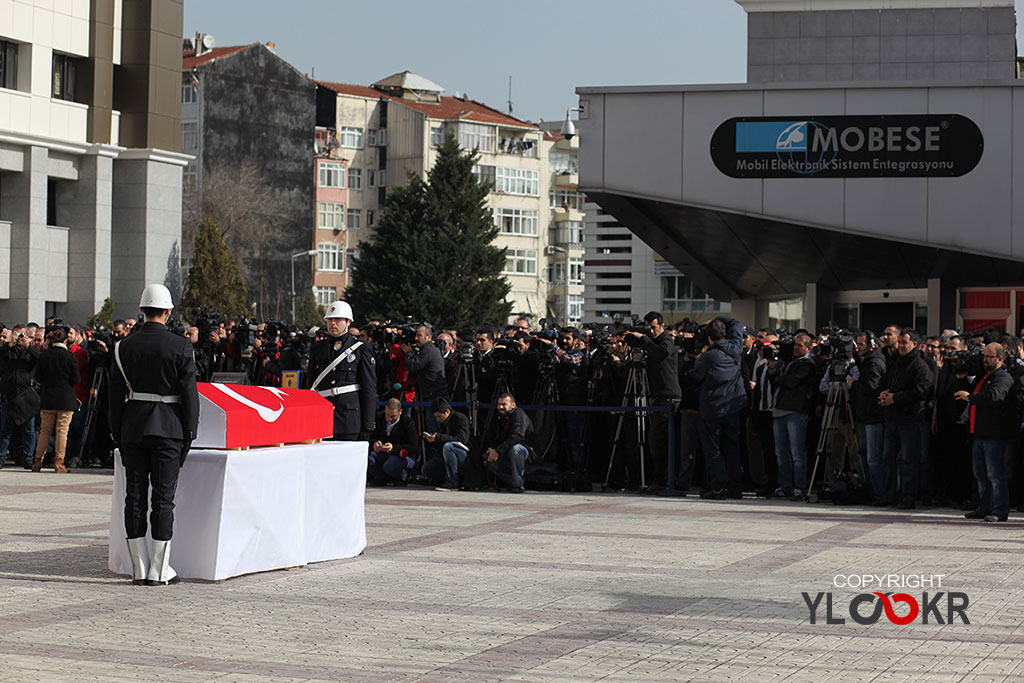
[(663, 376), (509, 444), (423, 361), (867, 414), (908, 384), (795, 383), (453, 439), (953, 471), (994, 423), (17, 363), (392, 446), (154, 415), (722, 398)]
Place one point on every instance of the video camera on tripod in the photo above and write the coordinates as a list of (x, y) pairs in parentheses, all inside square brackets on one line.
[(838, 346)]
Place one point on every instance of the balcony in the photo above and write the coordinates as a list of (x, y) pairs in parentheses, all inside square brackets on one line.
[(562, 215), (567, 180)]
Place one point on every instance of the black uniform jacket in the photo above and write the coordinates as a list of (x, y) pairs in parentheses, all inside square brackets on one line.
[(156, 361), (57, 374), (354, 411)]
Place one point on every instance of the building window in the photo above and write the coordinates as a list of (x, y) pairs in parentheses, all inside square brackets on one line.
[(382, 137), (330, 257), (189, 135), (575, 308), (563, 162), (352, 138), (190, 177), (330, 216), (567, 232), (485, 174), (566, 199), (189, 91), (525, 148), (325, 296), (355, 179), (575, 271), (332, 175), (370, 217), (8, 65), (518, 181), (63, 81), (520, 262), (371, 136), (353, 256), (516, 221), (478, 136), (376, 178), (680, 295), (436, 136), (352, 218)]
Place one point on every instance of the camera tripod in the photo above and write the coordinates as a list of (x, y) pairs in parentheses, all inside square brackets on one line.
[(467, 372), (836, 405), (637, 394), (546, 394)]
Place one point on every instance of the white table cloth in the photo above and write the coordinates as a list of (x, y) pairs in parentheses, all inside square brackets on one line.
[(238, 512)]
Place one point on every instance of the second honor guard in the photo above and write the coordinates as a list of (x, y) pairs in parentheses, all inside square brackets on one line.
[(343, 370)]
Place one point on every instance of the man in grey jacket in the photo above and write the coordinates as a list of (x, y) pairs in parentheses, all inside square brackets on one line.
[(722, 398)]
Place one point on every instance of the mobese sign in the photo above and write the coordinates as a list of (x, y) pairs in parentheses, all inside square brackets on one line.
[(901, 146)]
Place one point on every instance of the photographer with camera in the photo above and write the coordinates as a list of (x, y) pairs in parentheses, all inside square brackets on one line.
[(424, 363), (21, 403), (953, 469), (722, 398), (663, 377), (795, 382), (865, 386), (908, 384), (344, 372)]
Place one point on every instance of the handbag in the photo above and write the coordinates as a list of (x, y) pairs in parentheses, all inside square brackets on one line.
[(24, 406)]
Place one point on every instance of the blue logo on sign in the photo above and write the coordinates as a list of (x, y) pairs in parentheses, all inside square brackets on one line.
[(788, 140)]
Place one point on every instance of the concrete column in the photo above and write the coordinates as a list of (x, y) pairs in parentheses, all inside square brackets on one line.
[(817, 306), (745, 310), (941, 305), (88, 217), (146, 225), (23, 202)]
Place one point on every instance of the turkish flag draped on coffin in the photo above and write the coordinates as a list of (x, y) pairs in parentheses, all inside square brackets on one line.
[(240, 416)]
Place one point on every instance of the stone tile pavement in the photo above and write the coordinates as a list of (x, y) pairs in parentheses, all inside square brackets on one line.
[(534, 587)]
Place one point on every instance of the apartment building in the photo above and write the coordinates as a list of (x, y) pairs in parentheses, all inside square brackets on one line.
[(90, 162), (373, 137), (243, 105)]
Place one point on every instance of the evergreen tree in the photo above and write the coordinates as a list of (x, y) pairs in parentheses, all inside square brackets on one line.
[(104, 317), (432, 256), (307, 311), (213, 280)]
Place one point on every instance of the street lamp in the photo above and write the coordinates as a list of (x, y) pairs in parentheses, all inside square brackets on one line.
[(311, 252)]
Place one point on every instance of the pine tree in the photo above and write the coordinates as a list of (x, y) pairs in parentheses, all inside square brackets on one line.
[(104, 317), (213, 280), (432, 256)]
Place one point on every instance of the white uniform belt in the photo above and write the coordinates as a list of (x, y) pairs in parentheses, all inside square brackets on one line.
[(339, 390), (152, 398)]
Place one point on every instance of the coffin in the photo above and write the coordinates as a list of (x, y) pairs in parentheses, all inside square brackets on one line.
[(241, 416)]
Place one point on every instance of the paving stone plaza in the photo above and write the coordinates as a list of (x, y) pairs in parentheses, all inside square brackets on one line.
[(532, 587)]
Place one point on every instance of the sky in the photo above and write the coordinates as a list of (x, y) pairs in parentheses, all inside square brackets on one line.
[(473, 46)]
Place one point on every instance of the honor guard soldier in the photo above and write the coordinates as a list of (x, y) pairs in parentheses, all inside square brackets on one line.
[(344, 372), (154, 414)]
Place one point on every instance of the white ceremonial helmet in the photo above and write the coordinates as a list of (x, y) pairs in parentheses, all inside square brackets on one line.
[(338, 309), (156, 296)]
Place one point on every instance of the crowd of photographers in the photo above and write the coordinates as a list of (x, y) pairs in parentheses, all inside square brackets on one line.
[(716, 407)]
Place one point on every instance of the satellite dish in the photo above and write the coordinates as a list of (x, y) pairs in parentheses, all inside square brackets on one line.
[(208, 41)]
